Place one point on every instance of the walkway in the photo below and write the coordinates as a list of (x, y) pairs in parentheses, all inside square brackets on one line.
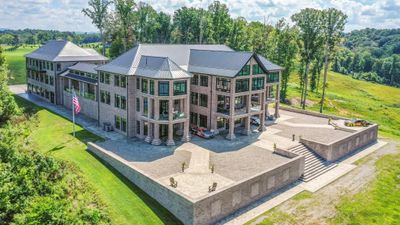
[(84, 121)]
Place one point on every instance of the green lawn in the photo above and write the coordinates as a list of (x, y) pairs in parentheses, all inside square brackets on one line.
[(357, 99), (127, 204), (380, 202), (16, 62)]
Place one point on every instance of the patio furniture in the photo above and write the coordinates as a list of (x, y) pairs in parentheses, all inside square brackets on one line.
[(173, 182), (213, 187)]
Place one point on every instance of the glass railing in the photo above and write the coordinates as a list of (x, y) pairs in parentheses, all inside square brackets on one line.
[(178, 115)]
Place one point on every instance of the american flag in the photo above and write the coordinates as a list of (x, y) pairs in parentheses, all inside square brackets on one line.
[(75, 102)]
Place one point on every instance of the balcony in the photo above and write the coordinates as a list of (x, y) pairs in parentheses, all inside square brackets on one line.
[(178, 115)]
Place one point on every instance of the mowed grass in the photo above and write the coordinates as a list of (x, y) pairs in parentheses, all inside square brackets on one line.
[(16, 62), (125, 202), (352, 98)]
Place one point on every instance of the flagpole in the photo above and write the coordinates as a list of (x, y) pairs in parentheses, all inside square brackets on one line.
[(73, 113)]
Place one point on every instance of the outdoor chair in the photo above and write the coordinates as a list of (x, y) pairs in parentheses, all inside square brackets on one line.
[(173, 182), (213, 187)]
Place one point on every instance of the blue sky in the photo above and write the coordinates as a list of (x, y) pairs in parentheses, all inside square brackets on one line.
[(66, 15)]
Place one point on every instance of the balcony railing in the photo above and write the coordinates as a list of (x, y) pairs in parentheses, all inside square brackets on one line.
[(178, 115)]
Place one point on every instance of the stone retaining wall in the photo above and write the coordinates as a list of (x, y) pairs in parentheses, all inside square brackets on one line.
[(216, 206), (339, 148)]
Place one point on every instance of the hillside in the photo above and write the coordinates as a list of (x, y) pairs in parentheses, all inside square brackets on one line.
[(356, 99)]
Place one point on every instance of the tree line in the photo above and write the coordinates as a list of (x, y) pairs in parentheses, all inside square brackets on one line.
[(313, 39), (372, 55), (35, 36)]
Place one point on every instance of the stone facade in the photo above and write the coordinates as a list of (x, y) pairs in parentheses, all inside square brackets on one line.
[(228, 106), (342, 147)]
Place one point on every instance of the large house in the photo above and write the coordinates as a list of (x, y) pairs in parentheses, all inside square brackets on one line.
[(158, 91)]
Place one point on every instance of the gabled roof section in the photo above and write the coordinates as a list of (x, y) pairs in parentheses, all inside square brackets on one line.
[(84, 67), (160, 68), (268, 65), (65, 51), (179, 54), (222, 63)]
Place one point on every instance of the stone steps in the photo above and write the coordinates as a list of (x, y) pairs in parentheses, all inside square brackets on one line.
[(315, 165)]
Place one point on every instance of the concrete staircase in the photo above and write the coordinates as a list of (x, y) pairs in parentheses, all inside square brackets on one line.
[(315, 165)]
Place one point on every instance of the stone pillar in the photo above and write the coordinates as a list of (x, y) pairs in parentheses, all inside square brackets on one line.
[(186, 135), (262, 114), (141, 135), (156, 109), (277, 100), (149, 107), (248, 100), (149, 133), (231, 134), (247, 127), (156, 139), (170, 140)]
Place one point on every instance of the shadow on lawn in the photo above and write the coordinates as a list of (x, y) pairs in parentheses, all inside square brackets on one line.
[(165, 216)]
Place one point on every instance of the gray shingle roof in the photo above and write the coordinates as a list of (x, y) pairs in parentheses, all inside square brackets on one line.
[(208, 59), (65, 51), (222, 63), (84, 67), (268, 65), (160, 68)]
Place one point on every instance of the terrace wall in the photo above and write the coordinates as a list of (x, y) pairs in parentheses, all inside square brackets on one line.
[(339, 148), (214, 207)]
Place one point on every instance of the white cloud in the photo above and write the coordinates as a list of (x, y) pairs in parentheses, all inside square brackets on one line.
[(67, 15)]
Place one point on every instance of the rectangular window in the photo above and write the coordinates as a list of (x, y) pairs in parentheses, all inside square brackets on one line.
[(122, 82), (138, 83), (164, 110), (145, 106), (195, 80), (245, 71), (203, 100), (272, 77), (144, 85), (137, 127), (258, 83), (242, 85), (137, 104), (117, 122), (152, 87), (203, 120), (179, 87), (204, 81), (58, 67), (257, 69), (194, 98), (193, 118), (123, 124), (223, 84), (163, 88), (223, 104), (120, 101), (101, 77), (116, 80), (107, 78), (105, 97), (51, 67)]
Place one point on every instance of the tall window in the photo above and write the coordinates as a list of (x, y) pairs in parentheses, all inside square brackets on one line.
[(163, 109), (152, 87), (105, 97), (258, 83), (194, 98), (145, 106), (120, 81), (137, 104), (144, 85), (120, 123), (203, 100), (272, 77), (58, 67), (257, 69), (120, 101), (163, 88), (193, 118), (138, 83), (245, 71), (116, 80), (179, 87), (104, 78), (242, 85), (195, 79), (204, 81)]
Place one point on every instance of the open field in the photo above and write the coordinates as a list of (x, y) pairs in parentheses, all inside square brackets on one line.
[(16, 62), (126, 203), (356, 99)]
